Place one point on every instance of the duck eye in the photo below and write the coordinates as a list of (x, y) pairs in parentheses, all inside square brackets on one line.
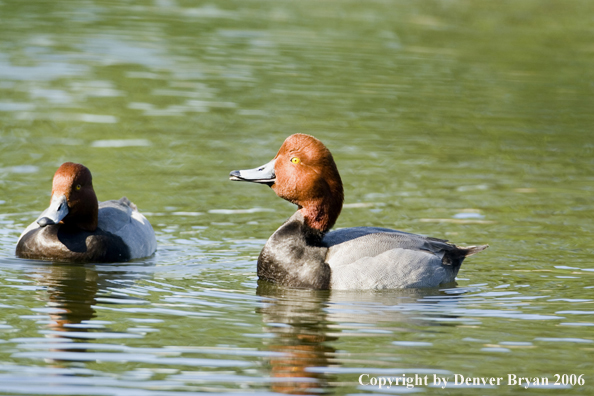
[(295, 160), (78, 186)]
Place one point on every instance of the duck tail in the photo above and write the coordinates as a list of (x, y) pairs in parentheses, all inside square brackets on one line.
[(457, 254), (470, 250), (127, 202)]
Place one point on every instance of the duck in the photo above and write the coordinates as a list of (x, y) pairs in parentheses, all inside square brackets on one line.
[(304, 253), (78, 228)]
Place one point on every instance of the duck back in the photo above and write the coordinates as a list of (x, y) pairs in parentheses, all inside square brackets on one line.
[(381, 258), (121, 218)]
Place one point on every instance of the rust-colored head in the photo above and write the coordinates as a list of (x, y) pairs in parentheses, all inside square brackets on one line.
[(75, 183), (305, 174)]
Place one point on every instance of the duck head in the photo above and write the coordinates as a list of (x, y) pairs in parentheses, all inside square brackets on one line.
[(304, 173), (73, 201)]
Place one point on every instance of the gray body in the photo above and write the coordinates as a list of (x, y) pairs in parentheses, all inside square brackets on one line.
[(380, 258), (122, 234), (359, 258), (123, 219)]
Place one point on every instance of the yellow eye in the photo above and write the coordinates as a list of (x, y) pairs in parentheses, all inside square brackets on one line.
[(78, 186), (295, 160)]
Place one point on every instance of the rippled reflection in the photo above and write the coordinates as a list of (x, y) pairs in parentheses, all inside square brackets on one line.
[(299, 325), (70, 293), (306, 323)]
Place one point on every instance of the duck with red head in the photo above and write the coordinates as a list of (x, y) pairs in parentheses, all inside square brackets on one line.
[(78, 228), (302, 253)]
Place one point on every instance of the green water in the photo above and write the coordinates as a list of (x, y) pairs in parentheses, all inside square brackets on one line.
[(470, 121)]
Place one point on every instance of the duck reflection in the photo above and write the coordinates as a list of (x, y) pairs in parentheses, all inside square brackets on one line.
[(70, 294), (297, 319), (306, 322)]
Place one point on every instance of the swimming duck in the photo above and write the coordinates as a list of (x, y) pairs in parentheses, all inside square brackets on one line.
[(78, 228), (303, 254)]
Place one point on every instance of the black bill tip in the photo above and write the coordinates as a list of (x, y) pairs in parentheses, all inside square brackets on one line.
[(235, 175), (45, 221)]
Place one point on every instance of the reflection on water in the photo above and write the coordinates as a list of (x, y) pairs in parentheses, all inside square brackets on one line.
[(306, 323), (298, 321), (70, 293)]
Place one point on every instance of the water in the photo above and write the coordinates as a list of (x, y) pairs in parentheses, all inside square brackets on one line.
[(456, 119)]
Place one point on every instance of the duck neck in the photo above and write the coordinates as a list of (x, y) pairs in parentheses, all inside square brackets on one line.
[(85, 217), (88, 221), (321, 214)]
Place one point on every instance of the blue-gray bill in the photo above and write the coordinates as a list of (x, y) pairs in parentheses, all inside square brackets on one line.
[(262, 174), (57, 210)]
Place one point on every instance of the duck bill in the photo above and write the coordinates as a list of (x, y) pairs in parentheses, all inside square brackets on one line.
[(263, 174), (57, 210)]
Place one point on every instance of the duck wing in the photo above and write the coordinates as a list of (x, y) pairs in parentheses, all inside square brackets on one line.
[(122, 218), (381, 258)]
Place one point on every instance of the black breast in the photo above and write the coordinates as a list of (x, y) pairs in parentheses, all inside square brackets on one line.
[(60, 243), (293, 257)]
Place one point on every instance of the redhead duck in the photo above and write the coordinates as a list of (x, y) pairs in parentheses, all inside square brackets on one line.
[(77, 228), (302, 253)]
